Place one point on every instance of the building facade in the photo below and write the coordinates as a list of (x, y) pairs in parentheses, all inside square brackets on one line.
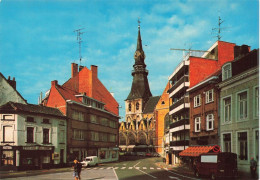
[(192, 70), (32, 137), (92, 114), (239, 108)]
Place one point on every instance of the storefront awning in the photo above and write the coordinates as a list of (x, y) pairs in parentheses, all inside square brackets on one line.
[(195, 151)]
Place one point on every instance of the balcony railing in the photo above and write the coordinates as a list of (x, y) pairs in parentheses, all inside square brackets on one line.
[(180, 143), (179, 123), (178, 83), (178, 103)]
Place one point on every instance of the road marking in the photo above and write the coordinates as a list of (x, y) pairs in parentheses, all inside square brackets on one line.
[(95, 168), (101, 168), (123, 167), (171, 177), (144, 168), (115, 167), (115, 173), (137, 163), (109, 167), (147, 174), (151, 168), (130, 168), (137, 167), (159, 168), (180, 174)]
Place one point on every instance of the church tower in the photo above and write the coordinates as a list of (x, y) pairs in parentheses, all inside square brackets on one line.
[(140, 90)]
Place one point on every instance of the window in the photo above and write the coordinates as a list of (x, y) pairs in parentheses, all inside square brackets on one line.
[(242, 105), (210, 122), (78, 115), (197, 101), (226, 71), (104, 121), (93, 118), (62, 136), (46, 136), (30, 133), (103, 137), (257, 145), (209, 96), (137, 106), (8, 134), (129, 107), (7, 158), (94, 136), (227, 142), (227, 109), (46, 121), (257, 101), (197, 124), (9, 117), (112, 124), (30, 119), (242, 145), (78, 134), (112, 138)]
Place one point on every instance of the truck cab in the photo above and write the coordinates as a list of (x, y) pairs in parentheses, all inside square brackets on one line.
[(216, 165)]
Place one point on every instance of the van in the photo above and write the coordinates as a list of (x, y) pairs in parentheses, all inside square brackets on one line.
[(90, 161), (216, 165)]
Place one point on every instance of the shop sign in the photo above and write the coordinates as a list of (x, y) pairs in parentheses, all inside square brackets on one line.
[(30, 147), (7, 147), (45, 148)]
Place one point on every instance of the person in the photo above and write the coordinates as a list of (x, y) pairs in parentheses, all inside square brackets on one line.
[(77, 169), (253, 165)]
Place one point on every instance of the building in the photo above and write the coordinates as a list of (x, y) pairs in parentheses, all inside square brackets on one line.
[(239, 107), (8, 91), (192, 70), (162, 119), (32, 137), (139, 128), (92, 114)]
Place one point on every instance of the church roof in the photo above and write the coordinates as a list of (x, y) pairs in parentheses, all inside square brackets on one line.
[(150, 105)]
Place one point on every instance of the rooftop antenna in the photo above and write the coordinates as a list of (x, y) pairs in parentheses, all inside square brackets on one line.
[(218, 29), (79, 33)]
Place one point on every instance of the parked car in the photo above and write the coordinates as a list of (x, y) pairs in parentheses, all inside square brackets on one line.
[(148, 154), (140, 153), (215, 165), (155, 154), (90, 161)]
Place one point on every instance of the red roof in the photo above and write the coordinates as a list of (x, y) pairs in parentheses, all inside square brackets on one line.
[(195, 150)]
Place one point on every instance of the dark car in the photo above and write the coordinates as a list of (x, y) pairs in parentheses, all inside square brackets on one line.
[(216, 165)]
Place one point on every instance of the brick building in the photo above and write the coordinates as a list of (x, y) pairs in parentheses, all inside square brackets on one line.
[(92, 114)]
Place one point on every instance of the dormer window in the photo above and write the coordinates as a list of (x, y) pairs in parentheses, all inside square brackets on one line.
[(226, 71)]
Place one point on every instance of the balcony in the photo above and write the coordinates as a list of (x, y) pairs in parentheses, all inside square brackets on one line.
[(179, 123), (182, 81), (182, 101), (180, 143), (183, 63)]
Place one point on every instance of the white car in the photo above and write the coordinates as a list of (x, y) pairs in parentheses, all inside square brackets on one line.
[(90, 161)]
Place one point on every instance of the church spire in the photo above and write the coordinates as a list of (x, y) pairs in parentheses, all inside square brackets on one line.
[(139, 40)]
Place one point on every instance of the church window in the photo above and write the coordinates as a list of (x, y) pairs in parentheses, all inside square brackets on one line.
[(137, 106), (129, 107)]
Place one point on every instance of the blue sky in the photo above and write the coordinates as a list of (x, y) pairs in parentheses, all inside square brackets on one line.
[(38, 44)]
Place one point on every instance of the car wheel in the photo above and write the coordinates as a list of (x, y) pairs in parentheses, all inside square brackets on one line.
[(197, 174), (213, 176)]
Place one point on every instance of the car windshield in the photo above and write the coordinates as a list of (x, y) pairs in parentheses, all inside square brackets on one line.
[(88, 159)]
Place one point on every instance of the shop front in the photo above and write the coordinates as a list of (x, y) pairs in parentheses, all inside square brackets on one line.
[(108, 154)]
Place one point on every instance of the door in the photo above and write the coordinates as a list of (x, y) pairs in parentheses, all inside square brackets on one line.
[(61, 156)]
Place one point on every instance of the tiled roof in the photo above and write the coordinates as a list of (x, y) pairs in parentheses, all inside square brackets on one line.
[(31, 108), (151, 103), (67, 93)]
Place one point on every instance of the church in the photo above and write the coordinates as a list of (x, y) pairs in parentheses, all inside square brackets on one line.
[(137, 133)]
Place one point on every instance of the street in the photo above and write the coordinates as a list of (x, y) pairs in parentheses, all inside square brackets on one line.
[(137, 168)]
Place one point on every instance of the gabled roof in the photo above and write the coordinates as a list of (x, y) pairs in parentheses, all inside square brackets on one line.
[(30, 108), (67, 93), (13, 88), (151, 103)]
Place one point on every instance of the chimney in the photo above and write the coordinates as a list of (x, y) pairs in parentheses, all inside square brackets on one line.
[(74, 69), (12, 82), (241, 50), (54, 83), (80, 68), (94, 70)]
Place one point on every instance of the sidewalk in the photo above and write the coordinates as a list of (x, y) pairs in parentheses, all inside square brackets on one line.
[(12, 174)]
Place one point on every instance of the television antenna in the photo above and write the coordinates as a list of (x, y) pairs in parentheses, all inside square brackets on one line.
[(218, 29), (79, 40)]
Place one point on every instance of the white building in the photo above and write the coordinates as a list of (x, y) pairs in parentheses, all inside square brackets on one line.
[(32, 137)]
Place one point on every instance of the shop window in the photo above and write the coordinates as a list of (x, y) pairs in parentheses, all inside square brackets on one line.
[(8, 134), (242, 146), (30, 134), (7, 158), (227, 142), (102, 154), (114, 153), (46, 136), (257, 145), (209, 96)]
